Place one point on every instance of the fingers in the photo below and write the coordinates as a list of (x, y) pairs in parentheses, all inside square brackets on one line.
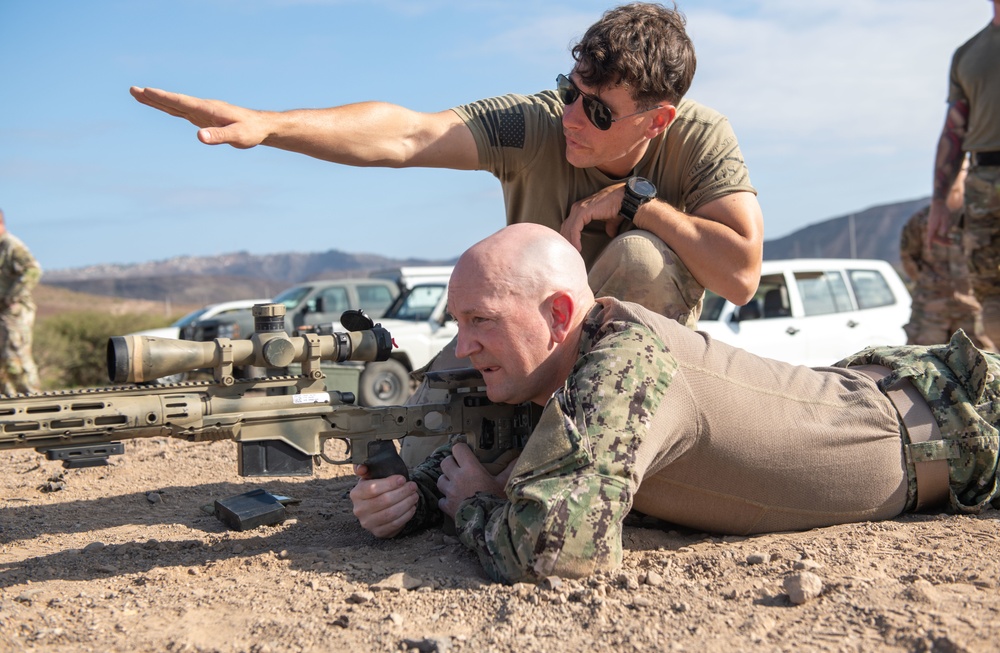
[(219, 122), (383, 506), (462, 454), (571, 229), (462, 476), (504, 476)]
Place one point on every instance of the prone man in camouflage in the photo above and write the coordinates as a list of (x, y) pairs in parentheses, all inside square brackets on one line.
[(643, 413), (19, 274)]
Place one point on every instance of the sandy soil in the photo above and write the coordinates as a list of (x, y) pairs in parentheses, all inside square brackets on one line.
[(124, 558)]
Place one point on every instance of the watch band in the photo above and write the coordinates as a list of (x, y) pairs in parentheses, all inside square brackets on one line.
[(638, 191)]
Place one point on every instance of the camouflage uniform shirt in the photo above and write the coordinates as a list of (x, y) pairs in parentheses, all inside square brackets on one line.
[(19, 273)]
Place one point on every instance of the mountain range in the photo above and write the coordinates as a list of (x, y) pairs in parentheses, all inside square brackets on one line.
[(871, 233)]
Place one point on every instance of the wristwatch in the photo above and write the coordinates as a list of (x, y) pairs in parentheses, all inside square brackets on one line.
[(638, 191)]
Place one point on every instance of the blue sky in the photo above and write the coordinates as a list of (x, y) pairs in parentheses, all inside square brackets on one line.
[(837, 103)]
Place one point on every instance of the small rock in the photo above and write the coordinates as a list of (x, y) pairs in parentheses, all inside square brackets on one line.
[(553, 583), (803, 587), (628, 582), (361, 597), (395, 618), (654, 579), (400, 581), (154, 497), (27, 596), (428, 645), (93, 547), (808, 565), (524, 590), (757, 558), (343, 621)]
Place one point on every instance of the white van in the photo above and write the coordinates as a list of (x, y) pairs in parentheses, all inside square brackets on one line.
[(814, 312)]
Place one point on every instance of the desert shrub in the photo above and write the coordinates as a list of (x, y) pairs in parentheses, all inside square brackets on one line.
[(70, 349)]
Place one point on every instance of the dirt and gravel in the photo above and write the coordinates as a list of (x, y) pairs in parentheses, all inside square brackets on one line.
[(125, 558)]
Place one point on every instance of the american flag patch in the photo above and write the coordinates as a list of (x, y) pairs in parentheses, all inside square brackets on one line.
[(505, 127)]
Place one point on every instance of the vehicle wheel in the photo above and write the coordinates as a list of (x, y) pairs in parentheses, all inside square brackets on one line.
[(385, 383)]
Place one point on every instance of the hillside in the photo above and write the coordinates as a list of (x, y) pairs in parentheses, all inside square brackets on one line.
[(53, 300), (209, 279), (876, 235), (196, 281)]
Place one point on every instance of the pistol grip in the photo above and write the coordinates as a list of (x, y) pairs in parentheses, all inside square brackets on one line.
[(384, 461)]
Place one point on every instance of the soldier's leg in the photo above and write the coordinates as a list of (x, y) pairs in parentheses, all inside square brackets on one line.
[(7, 387), (639, 267), (981, 243), (29, 377), (19, 372)]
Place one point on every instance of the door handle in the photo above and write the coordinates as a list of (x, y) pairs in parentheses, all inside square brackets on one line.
[(851, 324), (791, 331)]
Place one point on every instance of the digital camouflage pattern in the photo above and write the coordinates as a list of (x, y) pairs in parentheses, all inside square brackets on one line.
[(962, 387), (943, 301), (568, 494), (981, 242), (19, 274)]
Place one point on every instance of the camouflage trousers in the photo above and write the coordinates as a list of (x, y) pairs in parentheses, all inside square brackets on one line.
[(637, 267), (933, 320), (18, 373), (981, 242), (961, 385)]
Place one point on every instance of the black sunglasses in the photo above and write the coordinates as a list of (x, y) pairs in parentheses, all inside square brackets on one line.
[(598, 112)]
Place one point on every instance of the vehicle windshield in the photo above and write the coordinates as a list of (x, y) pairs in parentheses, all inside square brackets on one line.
[(291, 297), (190, 317), (417, 303)]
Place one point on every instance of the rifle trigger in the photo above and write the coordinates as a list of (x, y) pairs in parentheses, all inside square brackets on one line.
[(384, 461)]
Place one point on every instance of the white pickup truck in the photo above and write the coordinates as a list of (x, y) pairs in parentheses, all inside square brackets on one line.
[(420, 326)]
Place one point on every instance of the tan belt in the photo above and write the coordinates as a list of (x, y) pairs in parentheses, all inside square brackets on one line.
[(932, 476)]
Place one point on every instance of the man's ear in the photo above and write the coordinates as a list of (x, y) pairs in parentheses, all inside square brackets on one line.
[(562, 306), (662, 118)]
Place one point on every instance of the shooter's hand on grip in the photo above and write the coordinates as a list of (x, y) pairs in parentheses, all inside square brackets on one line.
[(383, 506)]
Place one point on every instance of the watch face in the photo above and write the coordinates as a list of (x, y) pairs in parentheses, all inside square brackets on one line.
[(642, 187)]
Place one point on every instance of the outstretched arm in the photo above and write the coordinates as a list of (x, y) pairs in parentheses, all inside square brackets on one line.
[(365, 134), (947, 165)]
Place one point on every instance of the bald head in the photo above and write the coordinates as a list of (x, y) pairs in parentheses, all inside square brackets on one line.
[(526, 260)]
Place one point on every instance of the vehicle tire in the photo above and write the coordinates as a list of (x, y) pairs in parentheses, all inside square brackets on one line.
[(386, 383)]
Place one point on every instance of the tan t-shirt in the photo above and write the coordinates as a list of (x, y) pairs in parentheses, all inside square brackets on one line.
[(975, 78), (520, 139)]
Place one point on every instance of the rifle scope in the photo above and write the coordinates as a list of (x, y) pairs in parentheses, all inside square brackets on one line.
[(141, 359)]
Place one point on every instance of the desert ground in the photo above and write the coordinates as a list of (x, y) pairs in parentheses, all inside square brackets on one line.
[(127, 558)]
